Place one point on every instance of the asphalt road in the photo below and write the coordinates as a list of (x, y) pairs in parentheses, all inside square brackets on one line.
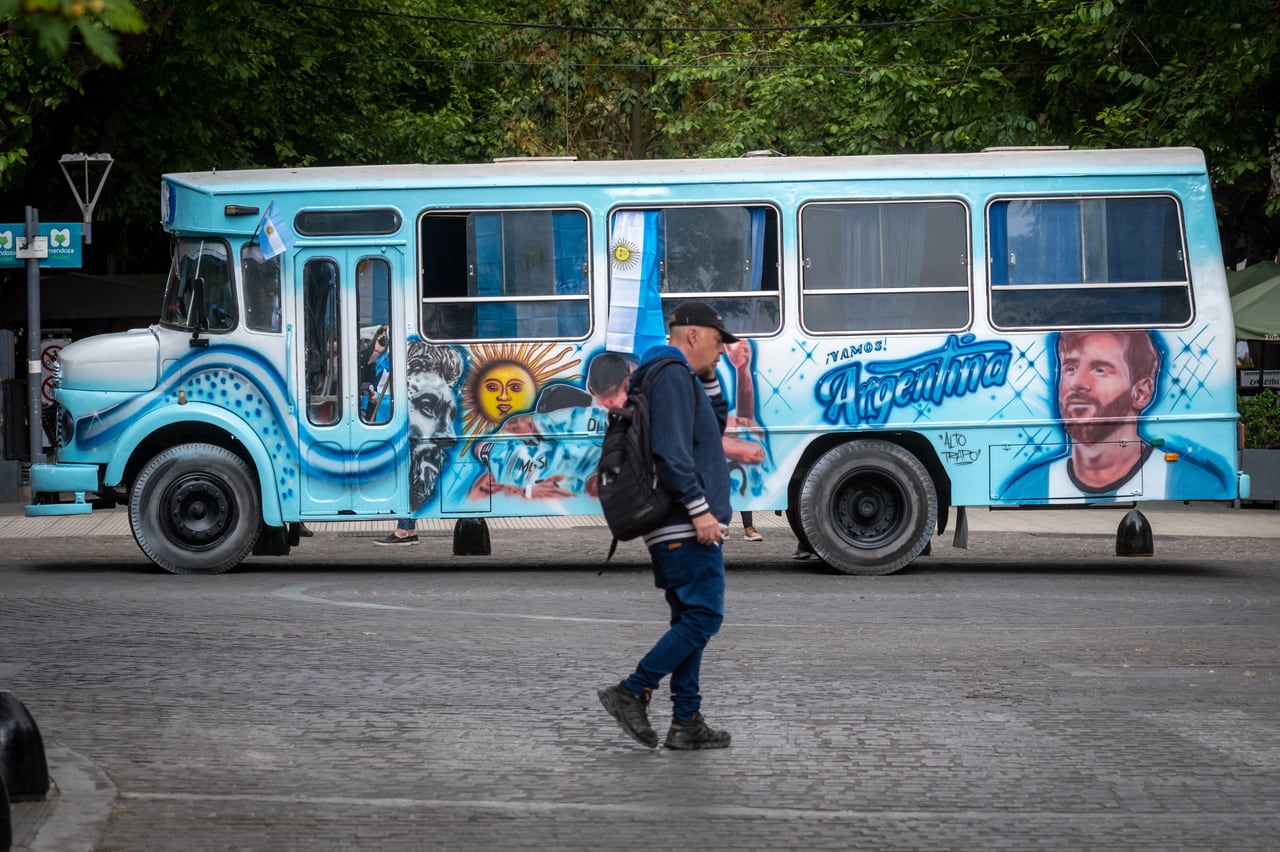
[(1033, 691)]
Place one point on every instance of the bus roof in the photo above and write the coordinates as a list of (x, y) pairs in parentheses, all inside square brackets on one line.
[(554, 171)]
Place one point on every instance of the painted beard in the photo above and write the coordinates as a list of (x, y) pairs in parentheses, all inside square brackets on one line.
[(1102, 423), (424, 469)]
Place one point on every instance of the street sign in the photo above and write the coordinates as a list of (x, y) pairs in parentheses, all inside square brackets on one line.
[(62, 239)]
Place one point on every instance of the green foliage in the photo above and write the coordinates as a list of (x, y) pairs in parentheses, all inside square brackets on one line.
[(54, 23), (237, 83), (1260, 415)]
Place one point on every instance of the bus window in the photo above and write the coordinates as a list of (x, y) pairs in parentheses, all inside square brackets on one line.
[(321, 342), (260, 280), (884, 266), (206, 261), (505, 274), (373, 327), (1063, 262), (726, 255)]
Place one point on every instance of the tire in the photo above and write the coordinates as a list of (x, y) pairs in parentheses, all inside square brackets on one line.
[(868, 507), (195, 509)]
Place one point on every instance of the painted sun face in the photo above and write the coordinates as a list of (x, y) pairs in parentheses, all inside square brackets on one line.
[(504, 389)]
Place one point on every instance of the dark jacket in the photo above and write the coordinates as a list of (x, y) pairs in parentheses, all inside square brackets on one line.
[(686, 446)]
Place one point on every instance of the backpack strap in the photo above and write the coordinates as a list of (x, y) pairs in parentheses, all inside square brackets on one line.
[(652, 373)]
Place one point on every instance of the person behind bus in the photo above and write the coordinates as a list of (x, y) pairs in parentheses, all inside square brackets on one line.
[(738, 449), (688, 563), (375, 377), (1106, 379)]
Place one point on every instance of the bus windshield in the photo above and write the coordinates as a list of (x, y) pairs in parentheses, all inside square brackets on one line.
[(205, 261)]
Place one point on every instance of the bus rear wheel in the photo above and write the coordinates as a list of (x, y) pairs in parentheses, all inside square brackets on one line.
[(195, 509), (868, 507)]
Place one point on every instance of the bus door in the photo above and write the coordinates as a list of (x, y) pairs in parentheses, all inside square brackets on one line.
[(351, 408)]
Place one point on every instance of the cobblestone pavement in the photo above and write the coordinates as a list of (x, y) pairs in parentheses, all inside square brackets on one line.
[(1033, 691)]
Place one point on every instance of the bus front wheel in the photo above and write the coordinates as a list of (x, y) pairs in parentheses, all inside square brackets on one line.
[(195, 509), (868, 507)]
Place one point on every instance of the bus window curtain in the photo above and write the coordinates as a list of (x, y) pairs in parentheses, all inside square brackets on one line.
[(493, 319), (998, 233), (757, 248), (1147, 231), (570, 234)]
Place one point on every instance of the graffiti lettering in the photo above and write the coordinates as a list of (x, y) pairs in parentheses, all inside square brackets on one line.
[(536, 463), (961, 457), (954, 439), (835, 356), (857, 394)]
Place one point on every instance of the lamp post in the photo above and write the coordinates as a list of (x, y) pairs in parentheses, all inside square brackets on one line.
[(86, 208), (33, 250)]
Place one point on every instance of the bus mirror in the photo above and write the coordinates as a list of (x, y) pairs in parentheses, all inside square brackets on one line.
[(196, 315)]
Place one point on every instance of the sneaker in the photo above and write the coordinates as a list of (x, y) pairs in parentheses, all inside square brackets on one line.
[(696, 734), (801, 553), (631, 713), (751, 534), (394, 540)]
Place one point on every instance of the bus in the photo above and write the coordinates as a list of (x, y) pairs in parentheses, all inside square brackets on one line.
[(1012, 327)]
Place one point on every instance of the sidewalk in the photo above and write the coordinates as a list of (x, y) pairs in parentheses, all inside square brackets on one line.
[(1211, 520)]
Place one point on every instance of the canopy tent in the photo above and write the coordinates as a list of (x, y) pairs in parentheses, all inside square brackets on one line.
[(1255, 301)]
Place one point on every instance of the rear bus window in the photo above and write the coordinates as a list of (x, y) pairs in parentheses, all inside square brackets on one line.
[(869, 266), (1064, 262)]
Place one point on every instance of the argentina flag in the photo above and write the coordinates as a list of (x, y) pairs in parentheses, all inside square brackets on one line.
[(635, 303), (276, 236)]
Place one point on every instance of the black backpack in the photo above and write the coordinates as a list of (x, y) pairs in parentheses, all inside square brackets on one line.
[(631, 497)]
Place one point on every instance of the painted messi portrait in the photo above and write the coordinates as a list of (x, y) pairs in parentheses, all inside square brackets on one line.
[(1105, 383)]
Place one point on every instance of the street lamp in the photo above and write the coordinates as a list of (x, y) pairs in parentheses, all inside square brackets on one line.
[(86, 209)]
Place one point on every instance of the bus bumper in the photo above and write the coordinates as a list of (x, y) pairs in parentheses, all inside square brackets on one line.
[(1246, 486), (50, 481)]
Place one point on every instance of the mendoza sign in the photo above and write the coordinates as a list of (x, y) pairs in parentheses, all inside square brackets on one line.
[(63, 239)]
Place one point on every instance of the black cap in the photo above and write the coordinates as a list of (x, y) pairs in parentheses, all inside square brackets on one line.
[(700, 313)]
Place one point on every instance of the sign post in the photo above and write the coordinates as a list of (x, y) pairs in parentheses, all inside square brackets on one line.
[(33, 256)]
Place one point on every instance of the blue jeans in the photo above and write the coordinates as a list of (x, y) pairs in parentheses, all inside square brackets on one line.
[(692, 576)]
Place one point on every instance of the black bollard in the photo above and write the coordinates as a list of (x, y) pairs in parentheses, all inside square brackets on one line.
[(1133, 536), (470, 537), (22, 763)]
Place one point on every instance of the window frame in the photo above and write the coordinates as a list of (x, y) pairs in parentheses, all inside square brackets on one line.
[(670, 298), (275, 313), (304, 221), (994, 289), (232, 283), (967, 288), (465, 212)]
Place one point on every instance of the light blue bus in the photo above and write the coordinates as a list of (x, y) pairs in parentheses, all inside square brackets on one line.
[(1012, 327)]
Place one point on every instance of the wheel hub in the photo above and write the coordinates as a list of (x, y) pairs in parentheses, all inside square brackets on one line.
[(867, 511), (198, 509)]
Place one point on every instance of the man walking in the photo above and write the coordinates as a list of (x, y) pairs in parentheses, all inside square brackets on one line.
[(688, 419)]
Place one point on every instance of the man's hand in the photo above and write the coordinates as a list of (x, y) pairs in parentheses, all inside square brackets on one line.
[(707, 528)]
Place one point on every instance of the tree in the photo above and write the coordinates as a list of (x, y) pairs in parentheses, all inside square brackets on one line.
[(615, 80), (238, 83), (46, 48)]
